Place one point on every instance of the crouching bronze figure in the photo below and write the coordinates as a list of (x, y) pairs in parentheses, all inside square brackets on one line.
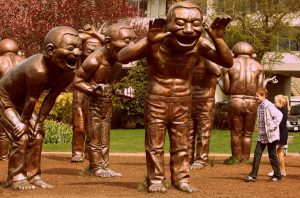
[(20, 88)]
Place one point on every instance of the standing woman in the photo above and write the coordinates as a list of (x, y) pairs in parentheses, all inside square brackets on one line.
[(282, 103)]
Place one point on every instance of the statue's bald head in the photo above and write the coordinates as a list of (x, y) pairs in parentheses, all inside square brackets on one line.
[(89, 46), (242, 48), (55, 35), (182, 4), (8, 45), (92, 40), (113, 30)]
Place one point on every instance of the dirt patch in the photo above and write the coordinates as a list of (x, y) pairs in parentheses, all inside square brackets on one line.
[(216, 180)]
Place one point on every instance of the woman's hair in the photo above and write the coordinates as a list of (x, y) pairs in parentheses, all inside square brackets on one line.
[(283, 100), (262, 92)]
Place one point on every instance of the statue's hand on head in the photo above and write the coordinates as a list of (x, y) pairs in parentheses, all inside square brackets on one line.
[(157, 30), (217, 28), (103, 26), (88, 29)]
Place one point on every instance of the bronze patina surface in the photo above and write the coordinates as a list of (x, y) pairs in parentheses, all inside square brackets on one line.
[(89, 45), (8, 59), (241, 82), (95, 79), (173, 48), (20, 88), (204, 82)]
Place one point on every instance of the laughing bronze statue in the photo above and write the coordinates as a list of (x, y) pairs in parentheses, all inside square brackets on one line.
[(89, 45), (95, 79), (8, 59), (241, 82), (20, 89), (173, 48), (204, 82)]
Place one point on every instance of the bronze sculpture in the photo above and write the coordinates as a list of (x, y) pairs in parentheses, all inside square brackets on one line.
[(20, 88), (204, 82), (89, 45), (241, 82), (95, 79), (8, 59), (173, 47)]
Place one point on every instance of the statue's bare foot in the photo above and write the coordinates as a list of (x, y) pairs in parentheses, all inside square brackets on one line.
[(114, 173), (186, 187), (4, 158), (41, 183), (197, 165), (157, 188), (103, 173), (77, 158), (22, 185)]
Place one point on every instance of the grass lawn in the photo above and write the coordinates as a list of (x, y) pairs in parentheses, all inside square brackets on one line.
[(132, 141)]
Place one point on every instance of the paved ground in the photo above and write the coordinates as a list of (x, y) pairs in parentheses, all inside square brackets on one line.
[(216, 180)]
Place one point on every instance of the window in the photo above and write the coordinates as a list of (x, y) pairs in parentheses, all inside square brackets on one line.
[(289, 44), (294, 45)]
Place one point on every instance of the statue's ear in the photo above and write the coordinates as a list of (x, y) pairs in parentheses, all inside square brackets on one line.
[(107, 41), (49, 49)]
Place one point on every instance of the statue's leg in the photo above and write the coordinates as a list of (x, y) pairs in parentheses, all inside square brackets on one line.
[(93, 121), (205, 119), (155, 127), (33, 158), (248, 129), (192, 140), (78, 139), (33, 155), (17, 178), (236, 126), (78, 136), (196, 164), (4, 145), (105, 136), (179, 138)]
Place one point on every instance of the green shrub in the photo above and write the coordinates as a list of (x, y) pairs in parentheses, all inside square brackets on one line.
[(57, 132), (132, 110), (62, 110)]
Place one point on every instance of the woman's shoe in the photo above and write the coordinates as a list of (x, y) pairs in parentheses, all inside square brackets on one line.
[(271, 174), (275, 179), (249, 179)]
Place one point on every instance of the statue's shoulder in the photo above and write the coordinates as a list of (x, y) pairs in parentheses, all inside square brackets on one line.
[(35, 58), (204, 44), (256, 64)]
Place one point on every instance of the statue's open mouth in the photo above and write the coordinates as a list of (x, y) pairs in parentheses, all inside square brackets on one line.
[(186, 41), (71, 63)]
